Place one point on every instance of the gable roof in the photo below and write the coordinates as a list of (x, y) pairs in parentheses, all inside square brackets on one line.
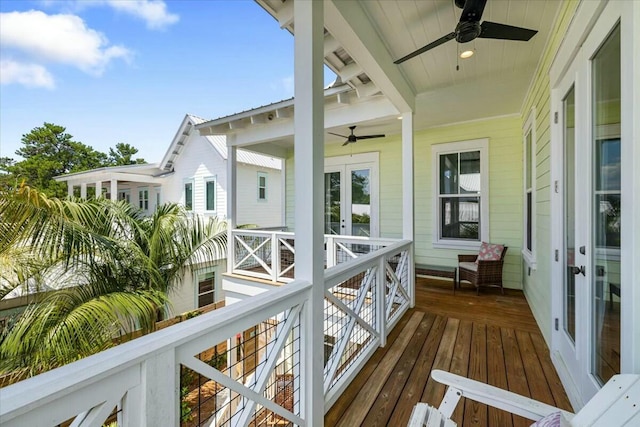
[(218, 142)]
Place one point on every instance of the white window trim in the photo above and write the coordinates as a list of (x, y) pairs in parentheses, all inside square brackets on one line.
[(140, 190), (216, 281), (529, 127), (266, 185), (157, 192), (206, 180), (125, 192), (481, 145), (191, 181)]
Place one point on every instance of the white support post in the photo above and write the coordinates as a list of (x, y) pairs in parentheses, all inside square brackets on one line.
[(381, 301), (160, 384), (83, 191), (114, 190), (407, 195), (309, 170), (275, 257), (331, 252), (98, 189), (69, 189), (231, 205)]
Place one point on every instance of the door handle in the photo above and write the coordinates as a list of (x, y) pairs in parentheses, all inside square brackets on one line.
[(577, 270)]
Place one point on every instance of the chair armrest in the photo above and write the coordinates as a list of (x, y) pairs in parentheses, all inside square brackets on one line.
[(496, 397), (467, 258)]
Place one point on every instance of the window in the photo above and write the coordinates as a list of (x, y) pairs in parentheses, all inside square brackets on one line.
[(262, 186), (210, 193), (188, 195), (143, 199), (529, 180), (124, 195), (158, 197), (461, 205), (206, 288)]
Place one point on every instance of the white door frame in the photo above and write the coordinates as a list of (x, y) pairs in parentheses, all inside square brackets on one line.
[(345, 164)]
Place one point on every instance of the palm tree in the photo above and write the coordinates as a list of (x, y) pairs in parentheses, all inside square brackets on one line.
[(116, 267)]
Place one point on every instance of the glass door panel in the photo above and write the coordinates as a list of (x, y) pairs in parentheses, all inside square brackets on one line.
[(605, 199), (360, 202), (333, 222), (569, 294)]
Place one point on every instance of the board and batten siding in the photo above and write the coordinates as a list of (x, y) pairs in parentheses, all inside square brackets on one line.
[(505, 187), (537, 284), (198, 161)]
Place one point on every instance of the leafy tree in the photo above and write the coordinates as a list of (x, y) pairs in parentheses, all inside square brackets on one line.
[(123, 155), (7, 180), (118, 268), (49, 151)]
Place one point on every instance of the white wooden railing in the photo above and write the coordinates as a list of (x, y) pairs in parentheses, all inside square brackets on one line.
[(270, 254), (138, 383)]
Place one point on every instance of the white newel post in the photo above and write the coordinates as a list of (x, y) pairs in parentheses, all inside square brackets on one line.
[(275, 257), (114, 190), (407, 195), (309, 170), (231, 206), (83, 191), (160, 390)]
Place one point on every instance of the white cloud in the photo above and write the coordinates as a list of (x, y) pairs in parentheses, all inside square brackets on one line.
[(30, 75), (153, 12), (62, 38)]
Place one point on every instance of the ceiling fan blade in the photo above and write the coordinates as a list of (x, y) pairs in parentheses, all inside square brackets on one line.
[(430, 46), (337, 134), (347, 142), (472, 11), (493, 30), (369, 136)]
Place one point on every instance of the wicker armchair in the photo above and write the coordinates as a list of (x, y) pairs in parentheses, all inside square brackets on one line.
[(482, 273)]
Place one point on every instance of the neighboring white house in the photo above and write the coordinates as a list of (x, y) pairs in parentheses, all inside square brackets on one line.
[(193, 172)]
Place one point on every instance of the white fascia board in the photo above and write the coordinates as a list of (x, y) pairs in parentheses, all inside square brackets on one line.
[(179, 134), (91, 174), (349, 24), (343, 115)]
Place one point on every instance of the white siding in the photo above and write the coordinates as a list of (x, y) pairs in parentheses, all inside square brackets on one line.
[(183, 295), (264, 213)]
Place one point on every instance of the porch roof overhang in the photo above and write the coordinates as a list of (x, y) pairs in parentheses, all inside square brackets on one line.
[(146, 173)]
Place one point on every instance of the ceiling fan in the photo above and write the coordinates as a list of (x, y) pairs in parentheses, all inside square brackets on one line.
[(353, 138), (469, 28)]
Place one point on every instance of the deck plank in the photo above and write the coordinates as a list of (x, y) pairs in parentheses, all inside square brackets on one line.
[(394, 388), (496, 374), (475, 414), (364, 400), (490, 337)]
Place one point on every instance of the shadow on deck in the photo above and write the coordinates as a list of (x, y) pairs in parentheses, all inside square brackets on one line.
[(491, 338)]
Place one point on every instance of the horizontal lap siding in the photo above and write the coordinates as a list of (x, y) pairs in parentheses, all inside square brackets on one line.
[(537, 286), (267, 213)]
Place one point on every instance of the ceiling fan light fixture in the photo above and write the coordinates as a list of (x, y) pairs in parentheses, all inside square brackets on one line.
[(466, 54)]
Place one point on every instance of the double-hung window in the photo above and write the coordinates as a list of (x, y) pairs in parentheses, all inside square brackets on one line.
[(188, 195), (143, 199), (262, 186), (461, 202), (206, 288), (529, 179), (210, 194)]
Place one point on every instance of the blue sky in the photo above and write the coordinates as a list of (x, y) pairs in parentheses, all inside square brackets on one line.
[(129, 70)]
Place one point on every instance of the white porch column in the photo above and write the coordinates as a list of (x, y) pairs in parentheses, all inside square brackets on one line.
[(83, 191), (407, 194), (231, 204), (114, 190), (309, 170), (69, 189), (98, 189)]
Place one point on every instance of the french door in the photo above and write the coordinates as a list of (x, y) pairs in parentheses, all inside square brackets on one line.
[(351, 192), (587, 305)]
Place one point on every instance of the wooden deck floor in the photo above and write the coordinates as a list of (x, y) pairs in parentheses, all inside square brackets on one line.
[(490, 338)]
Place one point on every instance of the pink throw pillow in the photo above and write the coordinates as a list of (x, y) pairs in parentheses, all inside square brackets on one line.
[(489, 252), (555, 419)]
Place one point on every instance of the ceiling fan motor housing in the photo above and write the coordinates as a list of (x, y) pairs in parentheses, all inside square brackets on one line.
[(467, 31)]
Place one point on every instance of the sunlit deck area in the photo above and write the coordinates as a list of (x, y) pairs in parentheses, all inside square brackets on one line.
[(491, 338)]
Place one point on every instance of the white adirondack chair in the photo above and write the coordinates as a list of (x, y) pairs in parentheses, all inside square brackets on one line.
[(616, 404)]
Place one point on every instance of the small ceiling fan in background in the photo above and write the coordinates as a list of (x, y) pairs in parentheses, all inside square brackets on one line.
[(469, 28), (353, 138)]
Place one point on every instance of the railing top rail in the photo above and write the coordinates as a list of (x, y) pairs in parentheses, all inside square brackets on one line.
[(25, 395), (345, 270), (260, 232), (338, 237)]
